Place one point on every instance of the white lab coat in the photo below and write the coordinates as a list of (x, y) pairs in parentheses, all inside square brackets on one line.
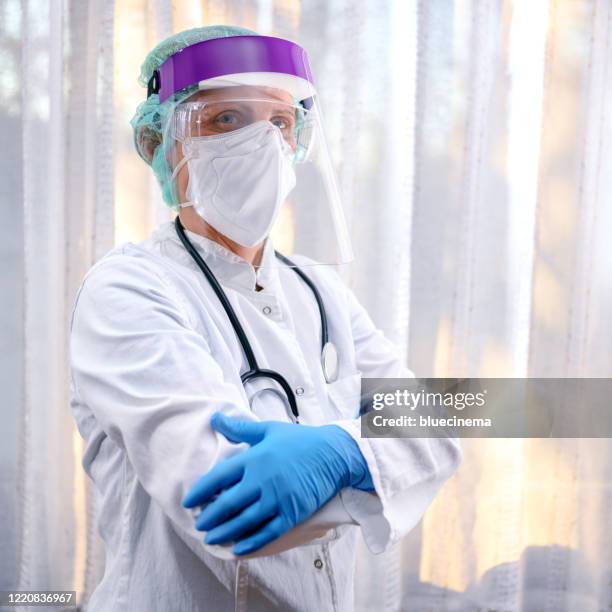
[(153, 355)]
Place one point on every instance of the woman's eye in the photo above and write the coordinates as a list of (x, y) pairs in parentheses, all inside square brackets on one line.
[(280, 123), (227, 118)]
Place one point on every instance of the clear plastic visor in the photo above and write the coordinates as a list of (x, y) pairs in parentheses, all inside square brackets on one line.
[(215, 133)]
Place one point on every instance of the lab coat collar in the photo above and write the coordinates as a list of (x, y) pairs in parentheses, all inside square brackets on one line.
[(229, 268)]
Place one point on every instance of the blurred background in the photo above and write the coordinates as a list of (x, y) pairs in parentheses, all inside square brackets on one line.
[(472, 140)]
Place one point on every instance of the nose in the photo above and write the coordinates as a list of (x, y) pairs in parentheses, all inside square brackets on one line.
[(261, 114)]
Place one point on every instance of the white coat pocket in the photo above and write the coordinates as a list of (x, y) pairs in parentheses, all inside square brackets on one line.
[(345, 396)]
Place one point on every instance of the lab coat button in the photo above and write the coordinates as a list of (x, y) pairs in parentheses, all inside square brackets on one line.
[(318, 564), (299, 391), (266, 310)]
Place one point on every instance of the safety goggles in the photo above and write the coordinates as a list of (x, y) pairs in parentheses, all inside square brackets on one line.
[(205, 118)]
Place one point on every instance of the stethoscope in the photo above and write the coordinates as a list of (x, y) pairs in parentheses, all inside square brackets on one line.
[(329, 354)]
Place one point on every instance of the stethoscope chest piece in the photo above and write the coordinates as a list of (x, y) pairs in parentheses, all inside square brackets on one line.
[(329, 362)]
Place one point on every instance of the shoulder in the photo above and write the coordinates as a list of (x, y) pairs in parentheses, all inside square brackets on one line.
[(126, 280), (134, 263), (127, 265)]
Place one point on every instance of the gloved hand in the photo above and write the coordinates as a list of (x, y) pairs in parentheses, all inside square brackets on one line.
[(289, 472)]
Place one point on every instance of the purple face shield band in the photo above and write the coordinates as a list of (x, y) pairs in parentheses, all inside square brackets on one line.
[(231, 55)]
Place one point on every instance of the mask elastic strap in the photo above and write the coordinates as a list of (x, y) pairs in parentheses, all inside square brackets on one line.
[(175, 174), (178, 167)]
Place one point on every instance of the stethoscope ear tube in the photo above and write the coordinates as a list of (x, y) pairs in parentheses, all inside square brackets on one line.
[(315, 292), (329, 353), (214, 283)]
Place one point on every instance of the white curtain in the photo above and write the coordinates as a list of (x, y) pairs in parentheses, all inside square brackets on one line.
[(473, 141)]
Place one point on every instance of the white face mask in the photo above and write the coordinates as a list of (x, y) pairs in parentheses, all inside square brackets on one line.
[(238, 181)]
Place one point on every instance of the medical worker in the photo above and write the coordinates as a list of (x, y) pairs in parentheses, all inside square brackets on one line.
[(215, 377)]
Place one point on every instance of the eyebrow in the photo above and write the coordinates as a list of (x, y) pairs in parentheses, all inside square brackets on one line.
[(281, 108)]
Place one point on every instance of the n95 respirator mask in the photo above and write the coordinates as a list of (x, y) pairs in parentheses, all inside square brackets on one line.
[(239, 180)]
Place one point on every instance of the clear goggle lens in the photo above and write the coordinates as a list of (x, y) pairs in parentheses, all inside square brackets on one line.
[(196, 119)]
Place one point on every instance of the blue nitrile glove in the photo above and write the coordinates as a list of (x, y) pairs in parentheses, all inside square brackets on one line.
[(289, 472)]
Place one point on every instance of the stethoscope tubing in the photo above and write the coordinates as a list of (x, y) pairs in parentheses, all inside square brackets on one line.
[(221, 295), (254, 370), (315, 293)]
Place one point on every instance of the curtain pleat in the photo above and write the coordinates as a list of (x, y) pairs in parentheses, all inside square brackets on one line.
[(68, 224), (46, 514), (96, 91), (529, 51)]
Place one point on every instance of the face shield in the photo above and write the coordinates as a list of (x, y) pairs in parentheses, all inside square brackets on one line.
[(244, 146)]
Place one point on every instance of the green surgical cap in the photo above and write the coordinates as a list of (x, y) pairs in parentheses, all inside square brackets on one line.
[(147, 120)]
